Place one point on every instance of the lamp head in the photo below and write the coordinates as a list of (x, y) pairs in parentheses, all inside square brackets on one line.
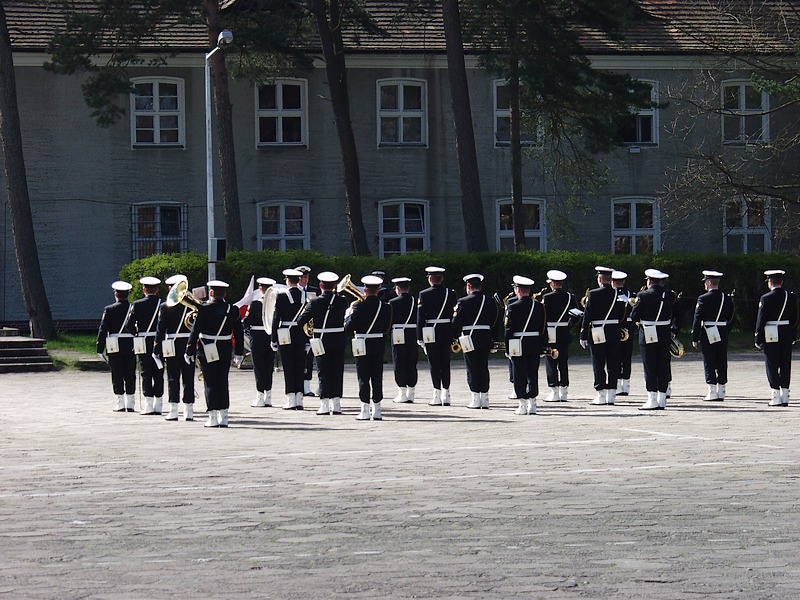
[(225, 38)]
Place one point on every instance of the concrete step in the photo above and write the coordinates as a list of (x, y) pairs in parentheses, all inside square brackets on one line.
[(20, 354), (26, 367), (17, 341)]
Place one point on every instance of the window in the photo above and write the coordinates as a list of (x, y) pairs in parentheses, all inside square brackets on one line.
[(404, 227), (533, 213), (502, 119), (281, 118), (642, 127), (283, 226), (635, 227), (158, 229), (746, 224), (157, 112), (745, 114), (402, 118)]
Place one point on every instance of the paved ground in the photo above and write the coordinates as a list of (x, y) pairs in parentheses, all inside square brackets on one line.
[(700, 500)]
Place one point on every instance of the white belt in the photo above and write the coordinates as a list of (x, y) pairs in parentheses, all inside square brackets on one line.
[(147, 334), (175, 336), (656, 322), (404, 326), (557, 323), (476, 327), (258, 328), (777, 323), (437, 321), (216, 338), (120, 335), (288, 323), (527, 334), (605, 322), (369, 336), (714, 323), (330, 330)]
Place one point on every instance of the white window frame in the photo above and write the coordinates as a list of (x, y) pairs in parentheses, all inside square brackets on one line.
[(504, 112), (282, 236), (279, 113), (157, 113), (651, 111), (404, 235), (401, 112), (540, 234), (742, 113), (635, 230), (745, 230), (159, 239)]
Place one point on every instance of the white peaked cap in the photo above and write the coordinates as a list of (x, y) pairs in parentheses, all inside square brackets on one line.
[(265, 281), (292, 273), (619, 275), (556, 275), (655, 274), (371, 280), (433, 270), (121, 286), (328, 277), (149, 281), (520, 280), (216, 283)]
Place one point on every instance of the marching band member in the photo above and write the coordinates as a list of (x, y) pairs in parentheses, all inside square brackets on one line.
[(369, 320), (474, 316), (602, 318), (170, 346), (145, 313), (290, 339), (710, 327), (561, 309), (405, 352), (653, 312), (625, 346), (309, 293), (328, 344), (115, 337), (216, 322), (776, 331), (260, 347), (435, 333), (525, 326)]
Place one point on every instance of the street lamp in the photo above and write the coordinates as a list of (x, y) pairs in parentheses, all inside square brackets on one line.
[(225, 37)]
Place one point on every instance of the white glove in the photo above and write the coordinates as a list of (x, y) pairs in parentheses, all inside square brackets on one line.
[(189, 359), (158, 361), (576, 312), (102, 357), (420, 343), (695, 345), (308, 347), (274, 346), (584, 344), (237, 360)]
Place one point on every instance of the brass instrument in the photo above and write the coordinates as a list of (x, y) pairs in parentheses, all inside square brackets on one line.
[(268, 308), (624, 334), (180, 294), (585, 298), (676, 348), (538, 295), (455, 346), (549, 352), (346, 286)]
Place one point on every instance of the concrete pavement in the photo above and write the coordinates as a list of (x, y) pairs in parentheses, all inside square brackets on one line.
[(700, 500)]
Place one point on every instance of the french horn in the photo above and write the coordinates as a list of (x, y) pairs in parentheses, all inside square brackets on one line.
[(624, 334), (180, 294)]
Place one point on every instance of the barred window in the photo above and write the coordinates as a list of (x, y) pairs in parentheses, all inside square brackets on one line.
[(158, 229), (533, 214), (283, 225)]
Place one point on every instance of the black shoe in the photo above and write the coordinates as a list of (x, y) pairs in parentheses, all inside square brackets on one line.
[(309, 394), (622, 393), (119, 410), (130, 410)]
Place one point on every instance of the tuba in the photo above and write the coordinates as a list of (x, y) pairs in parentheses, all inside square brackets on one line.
[(268, 308), (676, 349), (180, 294)]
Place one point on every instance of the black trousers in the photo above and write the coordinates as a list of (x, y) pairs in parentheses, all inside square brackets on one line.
[(293, 357), (177, 369), (558, 370), (405, 357), (605, 364), (656, 361), (308, 368), (369, 370), (477, 363), (152, 376), (263, 360), (123, 372), (715, 360), (525, 370), (778, 362), (215, 376), (439, 363), (330, 366), (625, 357)]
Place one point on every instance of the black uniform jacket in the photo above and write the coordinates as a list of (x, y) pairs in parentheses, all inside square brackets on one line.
[(769, 309), (517, 313), (209, 318), (114, 316), (288, 307), (602, 305), (363, 313), (170, 322), (431, 302), (404, 309), (467, 314), (646, 310), (707, 310), (556, 303), (144, 311), (328, 303)]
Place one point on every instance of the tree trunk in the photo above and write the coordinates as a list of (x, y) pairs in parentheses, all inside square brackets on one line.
[(469, 178), (224, 127), (30, 274), (330, 35), (517, 208)]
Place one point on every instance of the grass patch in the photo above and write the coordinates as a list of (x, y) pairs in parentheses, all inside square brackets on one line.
[(83, 343)]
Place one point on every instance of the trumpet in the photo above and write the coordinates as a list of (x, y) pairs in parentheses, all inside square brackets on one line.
[(549, 352), (346, 286), (455, 346), (180, 294)]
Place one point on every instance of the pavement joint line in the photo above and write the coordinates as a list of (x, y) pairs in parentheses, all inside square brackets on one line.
[(131, 491)]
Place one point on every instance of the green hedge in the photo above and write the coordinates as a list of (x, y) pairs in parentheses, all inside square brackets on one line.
[(744, 273)]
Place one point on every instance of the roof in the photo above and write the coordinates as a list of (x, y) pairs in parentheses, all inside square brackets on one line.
[(662, 27)]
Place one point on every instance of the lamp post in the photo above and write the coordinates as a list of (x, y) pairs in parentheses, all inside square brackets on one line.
[(225, 37)]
